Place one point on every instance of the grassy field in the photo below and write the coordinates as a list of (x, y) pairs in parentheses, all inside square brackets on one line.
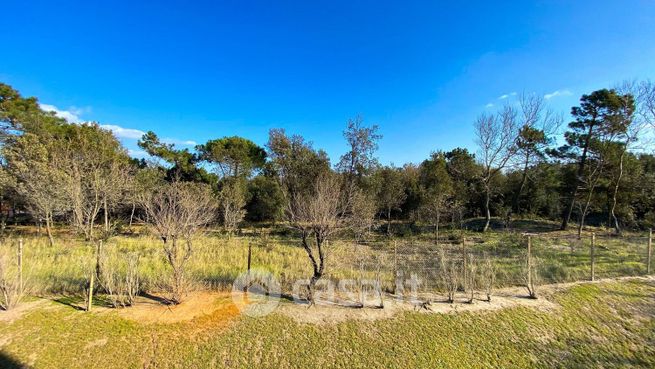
[(607, 324), (218, 260)]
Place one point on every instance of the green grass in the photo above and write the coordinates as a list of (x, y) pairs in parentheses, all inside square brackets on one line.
[(217, 260), (607, 324)]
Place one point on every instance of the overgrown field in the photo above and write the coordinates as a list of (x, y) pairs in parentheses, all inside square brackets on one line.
[(217, 260), (608, 324)]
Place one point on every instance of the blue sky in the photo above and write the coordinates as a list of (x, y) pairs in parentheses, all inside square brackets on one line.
[(421, 70)]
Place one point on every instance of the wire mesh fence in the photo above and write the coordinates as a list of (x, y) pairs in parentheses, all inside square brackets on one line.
[(553, 259)]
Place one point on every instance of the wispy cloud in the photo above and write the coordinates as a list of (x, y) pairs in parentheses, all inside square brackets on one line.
[(490, 105), (122, 132), (72, 114), (505, 96), (557, 93), (176, 141)]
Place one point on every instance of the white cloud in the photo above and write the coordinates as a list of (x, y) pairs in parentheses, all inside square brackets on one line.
[(490, 105), (121, 132), (73, 114), (557, 93), (503, 97), (176, 141)]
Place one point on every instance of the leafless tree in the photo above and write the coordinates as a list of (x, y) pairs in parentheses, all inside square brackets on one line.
[(177, 212), (120, 278), (496, 138), (538, 124), (471, 281), (96, 167), (12, 287), (36, 169), (317, 215), (232, 202), (449, 274), (488, 275), (646, 102)]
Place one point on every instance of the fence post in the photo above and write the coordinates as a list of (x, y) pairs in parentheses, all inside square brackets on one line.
[(249, 255), (529, 261), (464, 265), (395, 266), (20, 264), (90, 299), (593, 257), (650, 250)]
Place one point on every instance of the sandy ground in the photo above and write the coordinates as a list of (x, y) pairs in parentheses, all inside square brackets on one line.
[(196, 305), (210, 308), (328, 313)]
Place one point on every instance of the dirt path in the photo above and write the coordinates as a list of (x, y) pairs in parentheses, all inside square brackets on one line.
[(330, 313)]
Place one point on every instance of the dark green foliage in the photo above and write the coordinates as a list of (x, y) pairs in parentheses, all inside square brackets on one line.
[(266, 200)]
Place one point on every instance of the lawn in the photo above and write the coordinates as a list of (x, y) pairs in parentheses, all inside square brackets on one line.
[(608, 324)]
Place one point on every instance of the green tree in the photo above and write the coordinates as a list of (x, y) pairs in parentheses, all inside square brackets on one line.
[(391, 191), (601, 116), (266, 199), (436, 188), (233, 156), (183, 164)]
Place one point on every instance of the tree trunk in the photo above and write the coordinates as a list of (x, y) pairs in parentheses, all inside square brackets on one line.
[(613, 216), (437, 229), (106, 211), (388, 221), (132, 216), (48, 229), (524, 180), (578, 181), (486, 208)]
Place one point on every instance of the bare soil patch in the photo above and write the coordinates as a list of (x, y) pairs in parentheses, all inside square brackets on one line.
[(9, 316), (327, 312), (202, 304)]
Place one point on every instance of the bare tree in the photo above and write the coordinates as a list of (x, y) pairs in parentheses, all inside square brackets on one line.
[(496, 137), (317, 215), (12, 288), (537, 126), (119, 278), (96, 166), (36, 169), (449, 274), (232, 200), (177, 212), (488, 275)]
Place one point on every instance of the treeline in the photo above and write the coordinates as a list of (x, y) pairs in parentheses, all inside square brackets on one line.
[(598, 171)]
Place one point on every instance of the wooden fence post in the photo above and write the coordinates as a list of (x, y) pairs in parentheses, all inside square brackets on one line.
[(650, 250), (89, 302), (593, 256), (20, 264), (395, 266), (464, 265), (249, 255), (529, 262)]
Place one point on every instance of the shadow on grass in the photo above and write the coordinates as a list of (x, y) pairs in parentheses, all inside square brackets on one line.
[(9, 362), (75, 302)]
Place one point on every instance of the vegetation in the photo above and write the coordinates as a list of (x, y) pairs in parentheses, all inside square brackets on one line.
[(606, 325), (194, 220)]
